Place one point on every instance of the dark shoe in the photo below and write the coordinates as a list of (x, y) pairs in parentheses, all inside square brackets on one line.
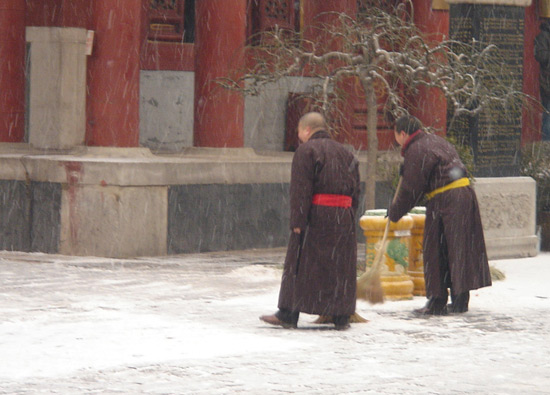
[(434, 306), (341, 322), (459, 302), (274, 320)]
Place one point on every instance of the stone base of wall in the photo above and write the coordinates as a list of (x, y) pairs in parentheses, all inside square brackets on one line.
[(128, 202)]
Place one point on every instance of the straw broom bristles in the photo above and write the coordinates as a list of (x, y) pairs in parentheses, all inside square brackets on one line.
[(369, 285), (353, 319), (496, 274)]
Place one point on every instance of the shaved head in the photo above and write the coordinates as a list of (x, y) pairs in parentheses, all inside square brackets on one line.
[(313, 120)]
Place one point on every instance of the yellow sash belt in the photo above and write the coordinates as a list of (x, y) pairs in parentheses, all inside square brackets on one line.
[(461, 182)]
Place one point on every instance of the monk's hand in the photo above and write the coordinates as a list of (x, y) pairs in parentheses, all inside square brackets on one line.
[(297, 230)]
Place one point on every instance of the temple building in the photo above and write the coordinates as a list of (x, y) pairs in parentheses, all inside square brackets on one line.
[(148, 76), (115, 140)]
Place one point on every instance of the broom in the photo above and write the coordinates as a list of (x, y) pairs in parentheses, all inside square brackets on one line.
[(369, 286)]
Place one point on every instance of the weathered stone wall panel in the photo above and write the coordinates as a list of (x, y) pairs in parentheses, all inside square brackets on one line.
[(14, 215), (113, 221), (45, 218), (227, 217)]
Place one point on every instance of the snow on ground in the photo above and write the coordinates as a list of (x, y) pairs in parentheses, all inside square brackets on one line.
[(189, 324)]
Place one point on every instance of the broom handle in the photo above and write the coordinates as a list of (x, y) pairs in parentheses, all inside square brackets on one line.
[(380, 253)]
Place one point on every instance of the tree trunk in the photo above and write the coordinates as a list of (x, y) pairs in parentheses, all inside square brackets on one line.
[(372, 141)]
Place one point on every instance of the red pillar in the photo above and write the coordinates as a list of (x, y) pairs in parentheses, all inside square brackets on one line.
[(113, 73), (12, 70), (219, 50), (431, 106)]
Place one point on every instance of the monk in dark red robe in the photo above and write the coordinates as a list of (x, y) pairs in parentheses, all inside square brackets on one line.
[(320, 269), (454, 247)]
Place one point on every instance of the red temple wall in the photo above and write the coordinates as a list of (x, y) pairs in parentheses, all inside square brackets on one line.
[(181, 56)]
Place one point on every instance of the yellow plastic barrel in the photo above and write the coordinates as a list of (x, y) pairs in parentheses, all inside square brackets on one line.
[(396, 282), (416, 261)]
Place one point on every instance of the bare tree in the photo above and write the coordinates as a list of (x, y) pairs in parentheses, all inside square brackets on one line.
[(390, 58)]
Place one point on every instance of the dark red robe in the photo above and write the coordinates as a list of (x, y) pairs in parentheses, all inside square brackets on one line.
[(320, 270), (454, 246)]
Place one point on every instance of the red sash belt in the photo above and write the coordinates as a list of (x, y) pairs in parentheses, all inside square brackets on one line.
[(326, 199)]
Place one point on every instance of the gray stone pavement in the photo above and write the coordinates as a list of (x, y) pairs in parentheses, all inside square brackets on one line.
[(189, 325)]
